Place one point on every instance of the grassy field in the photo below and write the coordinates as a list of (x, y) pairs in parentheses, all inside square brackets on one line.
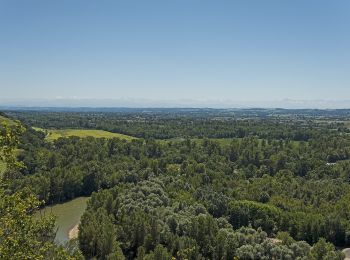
[(347, 124), (5, 120), (54, 134)]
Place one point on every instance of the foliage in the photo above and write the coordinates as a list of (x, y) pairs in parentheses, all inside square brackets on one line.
[(9, 139), (266, 185), (21, 235)]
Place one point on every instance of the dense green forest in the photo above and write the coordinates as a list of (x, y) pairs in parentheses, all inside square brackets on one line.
[(300, 125), (245, 184)]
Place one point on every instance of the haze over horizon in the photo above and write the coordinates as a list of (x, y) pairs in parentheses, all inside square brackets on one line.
[(207, 52), (75, 102)]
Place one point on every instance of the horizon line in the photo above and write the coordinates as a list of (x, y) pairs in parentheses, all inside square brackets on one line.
[(286, 103)]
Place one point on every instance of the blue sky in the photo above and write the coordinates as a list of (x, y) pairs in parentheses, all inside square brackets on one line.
[(232, 50)]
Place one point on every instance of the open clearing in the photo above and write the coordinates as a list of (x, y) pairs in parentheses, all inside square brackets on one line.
[(54, 134), (6, 120), (347, 124)]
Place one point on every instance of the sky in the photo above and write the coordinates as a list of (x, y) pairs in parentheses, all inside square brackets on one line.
[(175, 50)]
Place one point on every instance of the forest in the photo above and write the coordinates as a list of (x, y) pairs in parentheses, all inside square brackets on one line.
[(189, 184)]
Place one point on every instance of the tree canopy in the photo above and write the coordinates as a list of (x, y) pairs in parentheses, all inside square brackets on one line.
[(193, 185)]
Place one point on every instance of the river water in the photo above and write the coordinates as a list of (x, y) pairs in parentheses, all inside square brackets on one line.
[(68, 215)]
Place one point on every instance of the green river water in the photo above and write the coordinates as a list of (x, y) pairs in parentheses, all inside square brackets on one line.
[(68, 215)]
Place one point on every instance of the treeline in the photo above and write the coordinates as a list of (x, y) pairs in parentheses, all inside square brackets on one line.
[(183, 125)]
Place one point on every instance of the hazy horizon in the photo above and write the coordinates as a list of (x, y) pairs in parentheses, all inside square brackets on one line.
[(178, 50), (174, 103)]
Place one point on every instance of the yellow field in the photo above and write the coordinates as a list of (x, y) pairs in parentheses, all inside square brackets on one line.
[(54, 134)]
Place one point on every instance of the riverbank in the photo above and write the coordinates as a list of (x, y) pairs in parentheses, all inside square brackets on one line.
[(73, 232), (346, 251)]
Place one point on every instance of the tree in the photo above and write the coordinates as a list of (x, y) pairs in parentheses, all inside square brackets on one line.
[(159, 253), (323, 250), (21, 235), (98, 237), (9, 139)]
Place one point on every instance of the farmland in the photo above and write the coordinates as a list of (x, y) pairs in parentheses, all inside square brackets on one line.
[(54, 134)]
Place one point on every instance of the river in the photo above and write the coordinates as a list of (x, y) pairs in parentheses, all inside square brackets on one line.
[(68, 216)]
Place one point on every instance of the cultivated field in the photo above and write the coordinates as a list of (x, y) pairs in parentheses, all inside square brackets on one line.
[(54, 134)]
